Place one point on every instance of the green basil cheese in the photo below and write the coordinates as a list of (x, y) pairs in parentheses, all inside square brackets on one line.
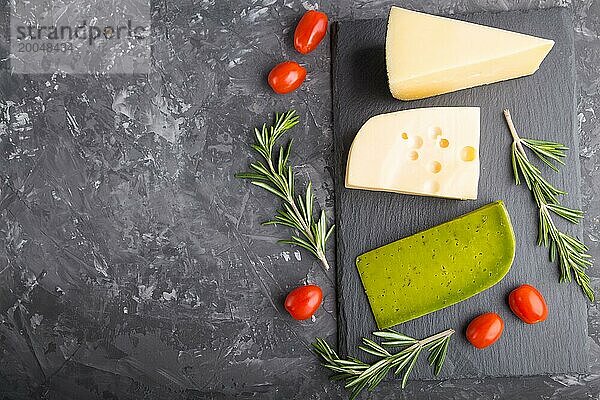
[(438, 267)]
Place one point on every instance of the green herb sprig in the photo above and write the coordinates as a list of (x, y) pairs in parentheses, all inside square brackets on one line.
[(276, 176), (359, 375), (572, 254)]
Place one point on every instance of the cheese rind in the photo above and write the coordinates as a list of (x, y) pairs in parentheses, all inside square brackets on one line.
[(423, 151), (427, 55), (441, 266)]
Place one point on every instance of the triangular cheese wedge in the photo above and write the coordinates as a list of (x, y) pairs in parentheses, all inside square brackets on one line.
[(428, 55)]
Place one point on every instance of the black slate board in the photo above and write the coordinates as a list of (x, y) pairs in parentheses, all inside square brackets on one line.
[(543, 106)]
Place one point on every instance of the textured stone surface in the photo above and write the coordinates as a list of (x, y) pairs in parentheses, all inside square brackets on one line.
[(133, 264), (367, 220)]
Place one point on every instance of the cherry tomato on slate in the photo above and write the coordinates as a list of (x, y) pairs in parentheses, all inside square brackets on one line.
[(303, 301), (528, 304), (286, 77), (484, 330), (310, 31)]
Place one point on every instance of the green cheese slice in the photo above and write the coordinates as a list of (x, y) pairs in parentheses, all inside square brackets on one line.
[(438, 267)]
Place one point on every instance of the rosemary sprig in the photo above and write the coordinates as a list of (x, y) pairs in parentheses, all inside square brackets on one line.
[(359, 375), (572, 254), (276, 176)]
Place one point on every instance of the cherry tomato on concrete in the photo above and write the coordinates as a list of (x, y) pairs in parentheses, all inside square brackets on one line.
[(528, 304), (286, 77), (303, 301), (485, 330), (310, 31)]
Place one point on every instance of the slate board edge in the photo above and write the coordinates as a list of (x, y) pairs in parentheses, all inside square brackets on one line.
[(574, 162), (342, 323)]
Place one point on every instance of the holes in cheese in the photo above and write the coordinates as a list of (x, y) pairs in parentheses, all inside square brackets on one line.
[(424, 151), (467, 154), (435, 167), (427, 55), (435, 132)]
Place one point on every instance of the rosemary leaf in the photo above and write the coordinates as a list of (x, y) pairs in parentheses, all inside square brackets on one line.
[(359, 375), (274, 175), (571, 253), (407, 371)]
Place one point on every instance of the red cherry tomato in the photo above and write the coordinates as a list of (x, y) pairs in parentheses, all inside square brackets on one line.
[(310, 31), (286, 77), (303, 301), (528, 304), (484, 330)]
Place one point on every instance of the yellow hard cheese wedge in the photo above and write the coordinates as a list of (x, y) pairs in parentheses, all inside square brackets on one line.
[(424, 151), (438, 267), (429, 55)]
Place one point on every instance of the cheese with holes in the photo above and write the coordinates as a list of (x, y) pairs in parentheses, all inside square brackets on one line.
[(424, 151), (428, 55)]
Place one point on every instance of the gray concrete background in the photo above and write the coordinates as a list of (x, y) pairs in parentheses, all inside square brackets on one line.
[(133, 264)]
